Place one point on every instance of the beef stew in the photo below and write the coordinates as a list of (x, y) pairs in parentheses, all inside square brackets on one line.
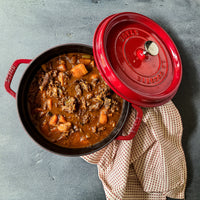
[(70, 104)]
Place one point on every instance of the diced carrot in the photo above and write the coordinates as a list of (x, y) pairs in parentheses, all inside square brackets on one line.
[(85, 61), (61, 78), (92, 63), (94, 76), (62, 119), (62, 68), (64, 127), (79, 70), (103, 119), (49, 104), (53, 120)]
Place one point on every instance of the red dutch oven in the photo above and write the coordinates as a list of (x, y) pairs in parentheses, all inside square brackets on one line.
[(136, 58)]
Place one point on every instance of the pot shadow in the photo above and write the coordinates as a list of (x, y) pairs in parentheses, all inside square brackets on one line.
[(183, 100)]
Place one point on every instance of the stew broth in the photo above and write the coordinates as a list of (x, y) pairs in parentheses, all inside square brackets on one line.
[(70, 104)]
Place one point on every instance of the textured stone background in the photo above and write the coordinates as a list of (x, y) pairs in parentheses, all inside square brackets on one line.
[(29, 27)]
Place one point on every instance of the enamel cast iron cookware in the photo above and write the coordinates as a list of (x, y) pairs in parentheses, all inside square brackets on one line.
[(136, 58)]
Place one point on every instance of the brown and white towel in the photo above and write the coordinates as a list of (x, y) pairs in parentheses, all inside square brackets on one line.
[(151, 165)]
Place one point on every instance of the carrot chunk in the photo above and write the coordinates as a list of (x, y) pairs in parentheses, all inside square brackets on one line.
[(79, 70), (49, 104), (62, 119), (64, 127), (103, 119), (53, 120), (94, 76), (85, 61), (92, 63)]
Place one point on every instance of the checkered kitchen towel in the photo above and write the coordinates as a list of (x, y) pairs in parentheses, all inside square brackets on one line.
[(152, 165)]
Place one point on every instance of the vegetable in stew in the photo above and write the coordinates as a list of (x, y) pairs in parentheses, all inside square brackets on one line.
[(70, 104)]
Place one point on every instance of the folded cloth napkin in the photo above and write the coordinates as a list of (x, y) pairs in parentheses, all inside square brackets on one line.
[(152, 165)]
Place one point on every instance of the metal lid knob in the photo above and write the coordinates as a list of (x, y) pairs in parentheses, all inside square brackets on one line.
[(151, 48)]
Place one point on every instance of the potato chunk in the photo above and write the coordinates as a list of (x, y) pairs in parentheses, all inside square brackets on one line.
[(62, 68)]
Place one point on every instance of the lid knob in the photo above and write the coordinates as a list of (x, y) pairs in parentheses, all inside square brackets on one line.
[(151, 48)]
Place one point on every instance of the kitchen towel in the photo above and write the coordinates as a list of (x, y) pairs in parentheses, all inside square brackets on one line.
[(150, 166)]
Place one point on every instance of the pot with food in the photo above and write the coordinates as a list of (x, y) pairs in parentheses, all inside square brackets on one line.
[(64, 103)]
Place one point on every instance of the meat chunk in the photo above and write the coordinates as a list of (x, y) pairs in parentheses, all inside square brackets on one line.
[(115, 106), (85, 86), (83, 103), (104, 90), (75, 128), (107, 103), (86, 118), (70, 105), (67, 74), (89, 95), (45, 81), (78, 90), (52, 91), (98, 102), (61, 78), (102, 128), (62, 66), (94, 129)]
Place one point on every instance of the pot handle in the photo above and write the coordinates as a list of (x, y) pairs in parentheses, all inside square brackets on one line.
[(136, 125), (11, 73)]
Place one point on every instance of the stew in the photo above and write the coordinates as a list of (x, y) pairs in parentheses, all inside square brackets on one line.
[(70, 104)]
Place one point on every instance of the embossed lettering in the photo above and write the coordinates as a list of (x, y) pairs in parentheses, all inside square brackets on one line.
[(126, 34)]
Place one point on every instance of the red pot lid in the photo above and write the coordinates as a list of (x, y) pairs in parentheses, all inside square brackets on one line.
[(137, 59)]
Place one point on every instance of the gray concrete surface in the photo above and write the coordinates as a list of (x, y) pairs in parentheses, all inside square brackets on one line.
[(27, 28)]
